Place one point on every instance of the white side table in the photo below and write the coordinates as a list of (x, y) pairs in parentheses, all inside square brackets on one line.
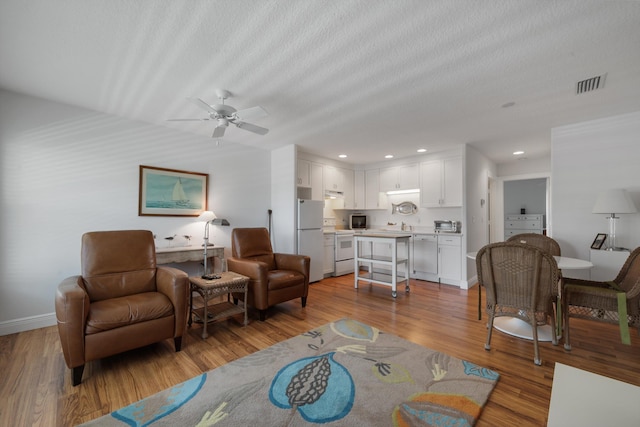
[(607, 264)]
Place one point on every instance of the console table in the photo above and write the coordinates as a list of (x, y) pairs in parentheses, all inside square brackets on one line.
[(188, 253)]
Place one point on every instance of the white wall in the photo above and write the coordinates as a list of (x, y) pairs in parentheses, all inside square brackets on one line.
[(587, 158), (530, 194), (478, 170), (67, 170)]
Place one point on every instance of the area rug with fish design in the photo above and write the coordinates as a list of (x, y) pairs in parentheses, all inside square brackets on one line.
[(345, 373)]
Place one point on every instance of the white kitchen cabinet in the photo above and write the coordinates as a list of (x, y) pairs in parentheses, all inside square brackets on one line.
[(333, 178), (372, 189), (349, 189), (304, 173), (607, 264), (359, 190), (329, 254), (518, 224), (404, 177), (449, 258), (317, 192), (441, 183), (424, 257)]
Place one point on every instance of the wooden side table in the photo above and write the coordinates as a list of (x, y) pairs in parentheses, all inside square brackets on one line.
[(227, 283)]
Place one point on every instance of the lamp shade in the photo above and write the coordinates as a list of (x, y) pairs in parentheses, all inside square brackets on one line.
[(615, 201), (206, 216)]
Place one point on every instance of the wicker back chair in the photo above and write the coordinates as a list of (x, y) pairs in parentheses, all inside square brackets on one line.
[(521, 281), (541, 241), (605, 301)]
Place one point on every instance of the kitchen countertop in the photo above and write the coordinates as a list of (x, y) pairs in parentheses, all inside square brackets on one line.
[(388, 231)]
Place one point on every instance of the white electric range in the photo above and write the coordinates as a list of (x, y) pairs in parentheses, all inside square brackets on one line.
[(344, 249)]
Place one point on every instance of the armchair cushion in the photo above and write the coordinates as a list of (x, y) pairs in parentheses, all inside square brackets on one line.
[(117, 312)]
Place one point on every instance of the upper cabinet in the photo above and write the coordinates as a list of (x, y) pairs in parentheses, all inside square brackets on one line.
[(349, 189), (333, 178), (359, 190), (317, 192), (441, 183), (404, 177), (310, 176), (304, 173), (372, 189)]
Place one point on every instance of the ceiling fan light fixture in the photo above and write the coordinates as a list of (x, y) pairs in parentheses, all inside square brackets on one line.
[(222, 122)]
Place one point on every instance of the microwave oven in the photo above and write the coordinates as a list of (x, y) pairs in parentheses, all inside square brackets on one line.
[(357, 222)]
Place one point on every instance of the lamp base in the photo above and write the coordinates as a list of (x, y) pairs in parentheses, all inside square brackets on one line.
[(617, 249)]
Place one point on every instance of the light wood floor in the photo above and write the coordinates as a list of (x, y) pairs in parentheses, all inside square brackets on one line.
[(35, 385)]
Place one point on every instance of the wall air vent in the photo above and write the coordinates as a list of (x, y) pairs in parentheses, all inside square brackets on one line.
[(589, 85)]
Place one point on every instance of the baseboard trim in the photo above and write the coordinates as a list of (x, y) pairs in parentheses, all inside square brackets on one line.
[(27, 323)]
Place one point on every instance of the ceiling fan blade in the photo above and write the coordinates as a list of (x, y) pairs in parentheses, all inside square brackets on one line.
[(252, 113), (200, 103), (252, 128), (218, 132), (188, 120)]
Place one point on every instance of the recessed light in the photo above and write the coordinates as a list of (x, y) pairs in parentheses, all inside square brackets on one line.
[(517, 153), (389, 156), (342, 156), (422, 150)]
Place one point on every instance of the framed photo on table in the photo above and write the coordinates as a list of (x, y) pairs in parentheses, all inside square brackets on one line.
[(599, 241), (171, 192)]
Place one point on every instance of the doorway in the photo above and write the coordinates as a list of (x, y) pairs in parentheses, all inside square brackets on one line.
[(510, 194)]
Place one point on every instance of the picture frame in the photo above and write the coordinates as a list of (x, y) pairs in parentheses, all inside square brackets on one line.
[(171, 192), (598, 241)]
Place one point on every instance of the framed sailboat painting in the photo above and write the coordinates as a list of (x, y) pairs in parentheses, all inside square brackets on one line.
[(171, 192)]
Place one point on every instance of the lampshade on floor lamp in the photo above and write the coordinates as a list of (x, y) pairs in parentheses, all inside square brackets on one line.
[(612, 202)]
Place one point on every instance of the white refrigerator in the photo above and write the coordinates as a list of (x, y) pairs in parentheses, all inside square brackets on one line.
[(310, 239)]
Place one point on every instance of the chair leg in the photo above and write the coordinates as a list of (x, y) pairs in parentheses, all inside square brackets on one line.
[(487, 345), (263, 315), (554, 326), (534, 332), (76, 374), (304, 301), (565, 325), (177, 341)]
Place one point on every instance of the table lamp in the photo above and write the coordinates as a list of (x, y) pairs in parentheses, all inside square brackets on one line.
[(209, 218), (614, 201)]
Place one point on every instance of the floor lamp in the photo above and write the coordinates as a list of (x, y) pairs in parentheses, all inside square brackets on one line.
[(616, 201)]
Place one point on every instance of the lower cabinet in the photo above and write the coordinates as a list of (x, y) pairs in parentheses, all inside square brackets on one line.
[(329, 254), (437, 257), (449, 259)]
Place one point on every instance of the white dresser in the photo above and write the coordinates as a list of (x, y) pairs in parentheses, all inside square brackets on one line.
[(518, 224)]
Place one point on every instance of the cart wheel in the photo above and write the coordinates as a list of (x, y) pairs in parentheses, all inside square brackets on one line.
[(406, 289), (394, 294)]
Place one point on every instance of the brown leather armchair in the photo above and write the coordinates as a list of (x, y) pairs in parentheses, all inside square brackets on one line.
[(274, 277), (121, 301)]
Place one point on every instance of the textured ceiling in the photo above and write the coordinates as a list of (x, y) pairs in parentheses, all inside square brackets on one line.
[(363, 78)]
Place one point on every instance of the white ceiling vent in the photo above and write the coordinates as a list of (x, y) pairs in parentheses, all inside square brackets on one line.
[(589, 85)]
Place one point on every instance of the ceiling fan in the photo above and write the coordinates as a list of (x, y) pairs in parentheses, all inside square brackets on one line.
[(225, 114)]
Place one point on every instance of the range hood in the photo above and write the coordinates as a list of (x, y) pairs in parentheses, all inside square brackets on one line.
[(329, 194)]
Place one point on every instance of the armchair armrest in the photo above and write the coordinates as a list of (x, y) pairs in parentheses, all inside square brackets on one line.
[(299, 263), (72, 308), (257, 272), (174, 284)]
